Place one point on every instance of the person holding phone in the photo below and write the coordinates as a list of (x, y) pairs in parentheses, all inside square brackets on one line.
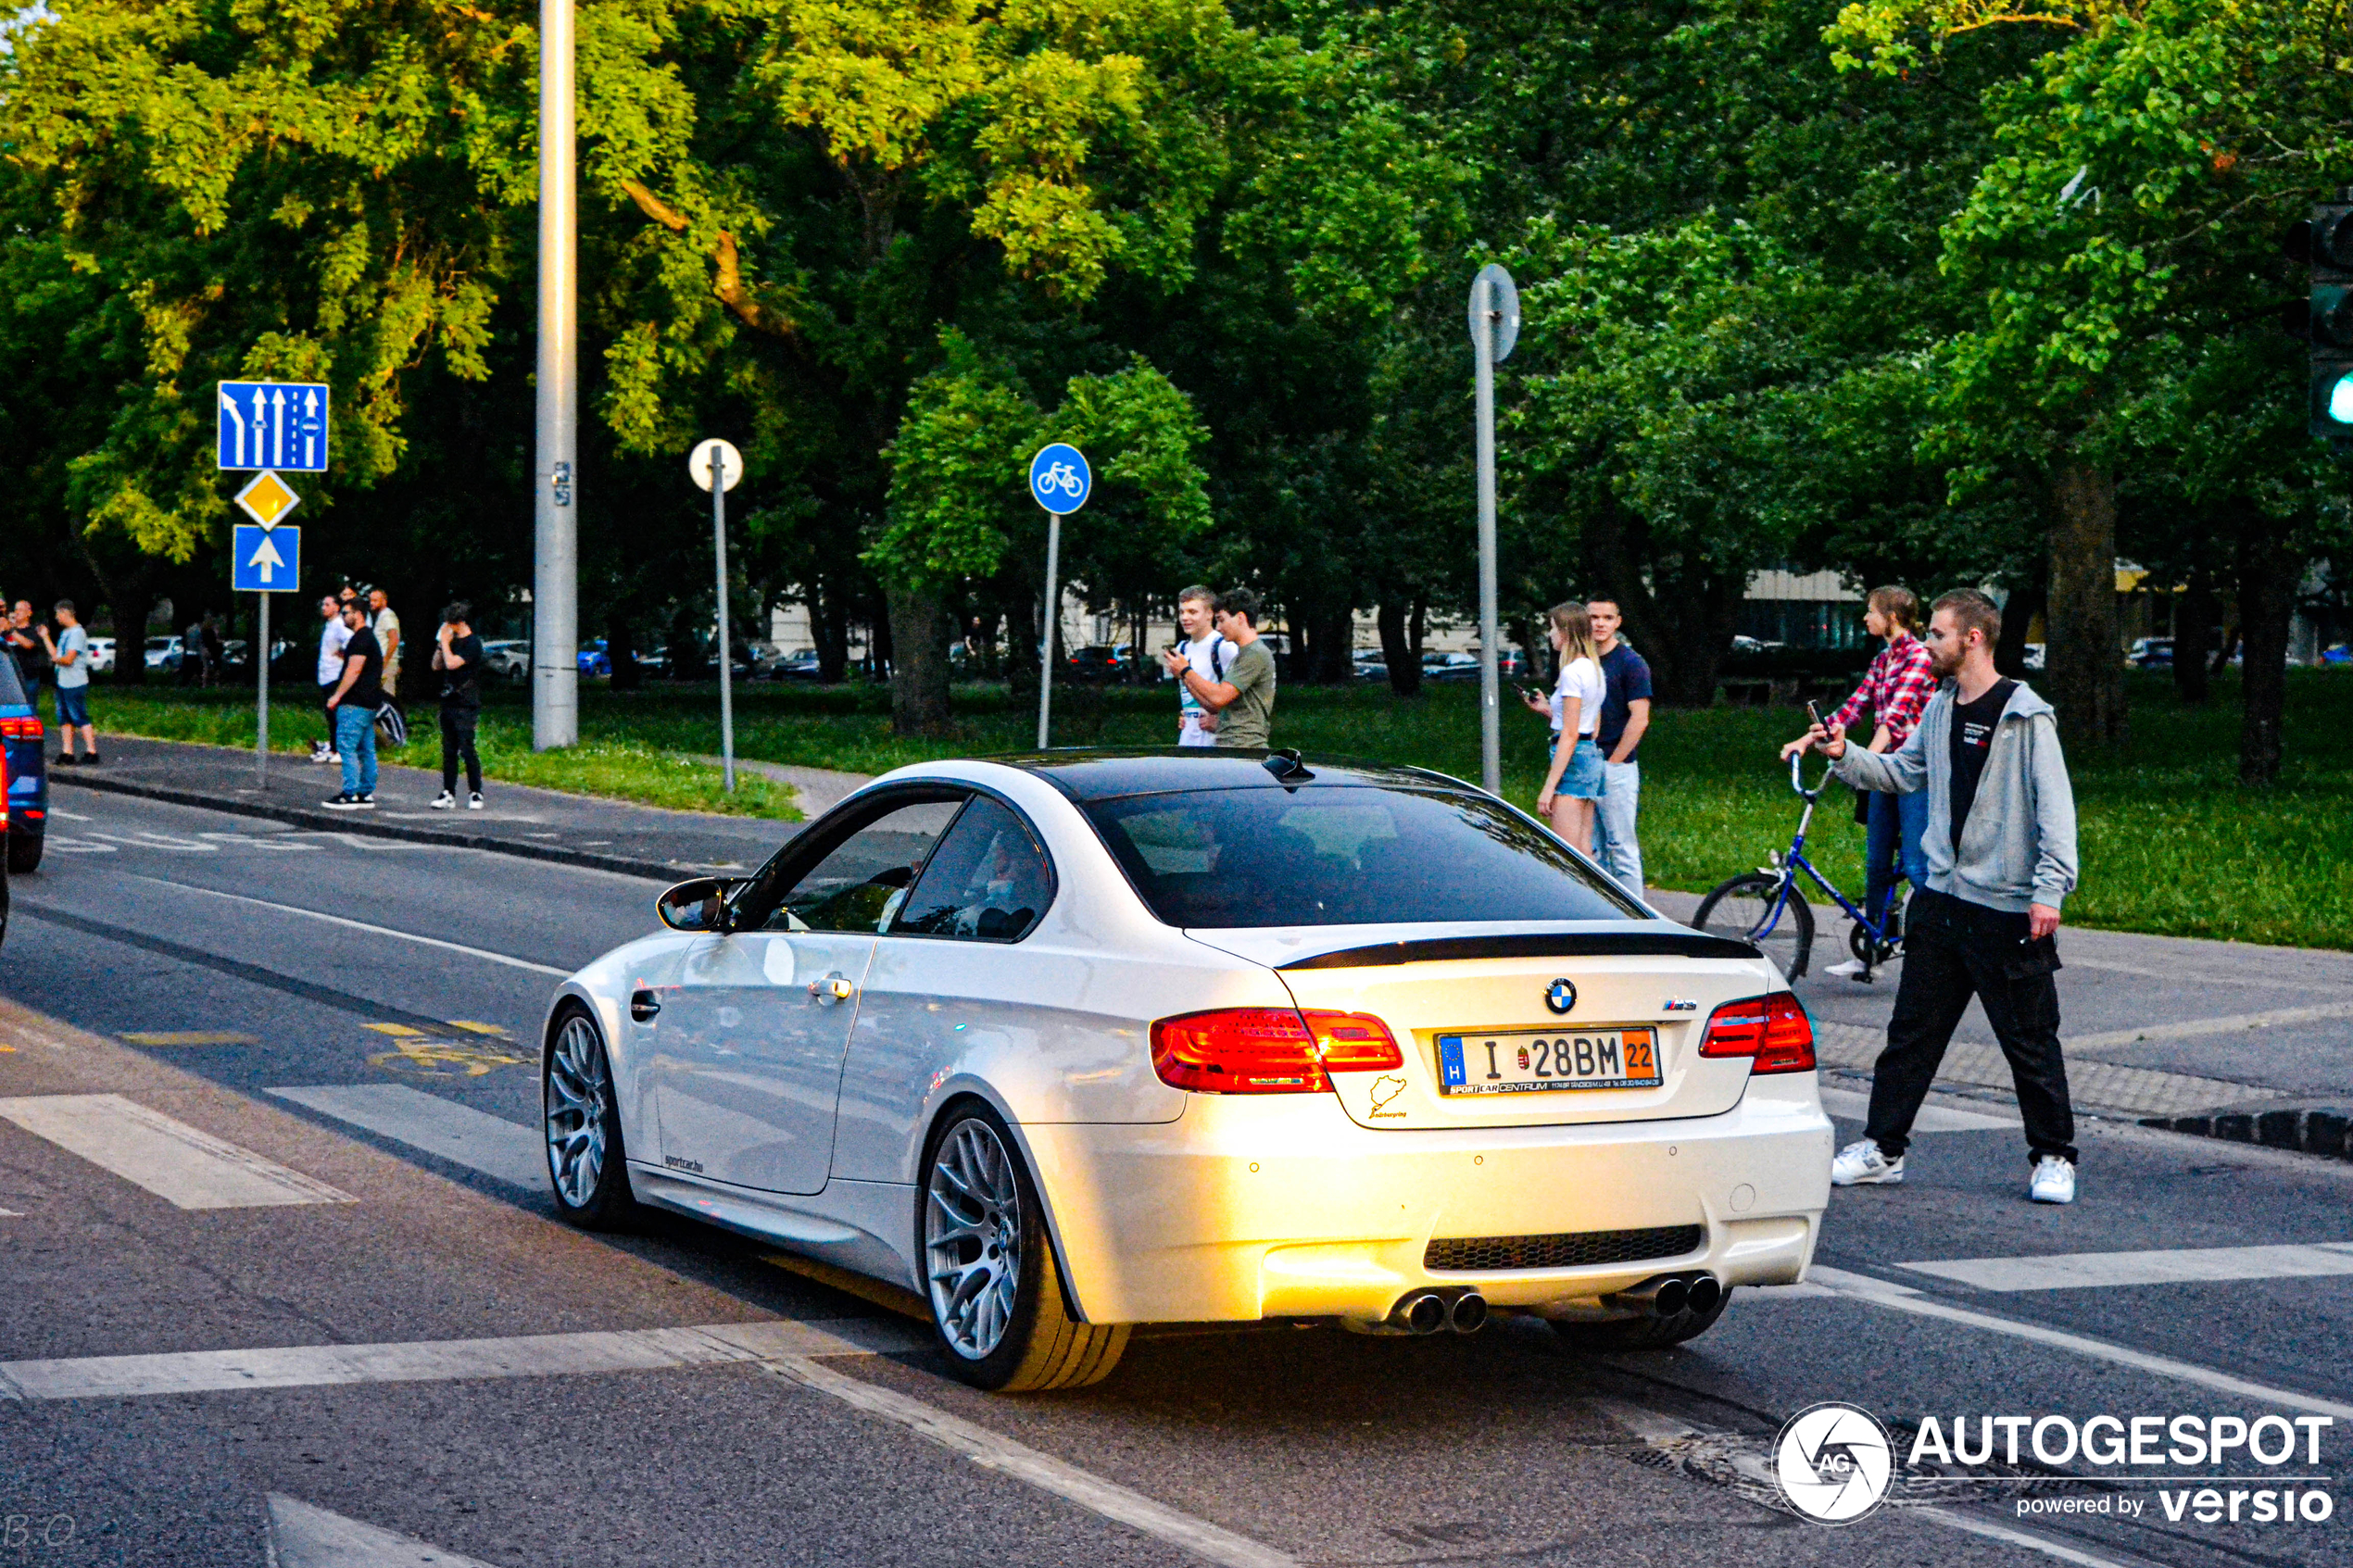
[(1575, 780)]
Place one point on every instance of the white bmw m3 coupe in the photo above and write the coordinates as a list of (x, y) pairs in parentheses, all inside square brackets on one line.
[(1077, 1041)]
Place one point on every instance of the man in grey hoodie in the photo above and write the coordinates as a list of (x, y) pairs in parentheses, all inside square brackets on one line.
[(2000, 847)]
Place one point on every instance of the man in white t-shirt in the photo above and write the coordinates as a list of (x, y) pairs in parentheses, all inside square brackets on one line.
[(331, 637), (1204, 650), (386, 626)]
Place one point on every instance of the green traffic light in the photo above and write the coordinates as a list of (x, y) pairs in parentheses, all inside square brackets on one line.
[(2341, 400)]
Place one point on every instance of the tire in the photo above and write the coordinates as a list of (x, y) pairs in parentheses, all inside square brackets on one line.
[(1640, 1334), (580, 1117), (989, 1274), (1738, 906), (24, 851)]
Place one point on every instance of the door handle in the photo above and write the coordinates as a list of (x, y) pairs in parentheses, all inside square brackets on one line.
[(642, 1006), (834, 987)]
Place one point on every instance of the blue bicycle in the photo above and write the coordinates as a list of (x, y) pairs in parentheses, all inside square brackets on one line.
[(1766, 907)]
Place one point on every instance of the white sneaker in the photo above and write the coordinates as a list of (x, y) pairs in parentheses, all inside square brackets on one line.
[(473, 801), (2052, 1182), (444, 801), (1861, 1164), (1852, 969)]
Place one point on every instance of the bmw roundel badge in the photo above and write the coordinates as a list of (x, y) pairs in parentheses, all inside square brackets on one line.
[(1560, 995)]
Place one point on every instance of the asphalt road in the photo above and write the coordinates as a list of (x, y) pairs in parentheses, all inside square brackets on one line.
[(499, 1388)]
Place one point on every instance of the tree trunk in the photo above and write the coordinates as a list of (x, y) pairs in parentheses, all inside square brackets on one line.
[(622, 649), (1334, 645), (2194, 637), (2267, 603), (1397, 649), (2082, 663), (130, 599), (829, 630), (919, 667), (2025, 602), (1680, 616)]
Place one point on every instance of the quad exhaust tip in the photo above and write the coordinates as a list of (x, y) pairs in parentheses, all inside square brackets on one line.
[(1667, 1295), (1422, 1312), (1428, 1312), (1468, 1312)]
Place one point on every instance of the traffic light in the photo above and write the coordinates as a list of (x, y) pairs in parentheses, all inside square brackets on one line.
[(2325, 242)]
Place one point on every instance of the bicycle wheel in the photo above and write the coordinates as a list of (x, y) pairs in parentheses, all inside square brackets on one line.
[(1740, 908)]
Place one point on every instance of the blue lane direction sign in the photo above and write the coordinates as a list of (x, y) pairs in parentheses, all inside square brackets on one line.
[(276, 424), (265, 560), (1059, 479)]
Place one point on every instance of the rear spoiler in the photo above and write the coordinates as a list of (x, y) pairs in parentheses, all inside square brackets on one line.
[(1562, 945)]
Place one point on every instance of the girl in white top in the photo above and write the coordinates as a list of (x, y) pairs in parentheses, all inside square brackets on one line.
[(1576, 779)]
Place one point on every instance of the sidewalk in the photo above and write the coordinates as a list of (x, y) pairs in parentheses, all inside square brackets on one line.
[(2224, 1039), (537, 823)]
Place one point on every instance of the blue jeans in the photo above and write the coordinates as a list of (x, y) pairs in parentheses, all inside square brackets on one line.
[(1615, 844), (356, 738), (1893, 842)]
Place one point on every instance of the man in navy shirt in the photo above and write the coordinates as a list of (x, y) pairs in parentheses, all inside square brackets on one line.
[(1626, 713)]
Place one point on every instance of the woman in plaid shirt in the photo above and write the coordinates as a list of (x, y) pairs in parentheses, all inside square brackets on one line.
[(1896, 689)]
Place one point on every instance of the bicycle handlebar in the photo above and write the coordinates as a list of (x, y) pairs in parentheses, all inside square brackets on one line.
[(1796, 779)]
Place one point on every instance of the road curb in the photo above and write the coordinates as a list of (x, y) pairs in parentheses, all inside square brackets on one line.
[(335, 823), (2323, 1129)]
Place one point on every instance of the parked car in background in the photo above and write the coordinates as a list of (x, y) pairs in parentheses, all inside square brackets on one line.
[(1100, 662), (2150, 653), (2336, 653), (801, 666), (509, 659), (1450, 667), (2033, 660), (163, 653), (102, 656), (24, 773)]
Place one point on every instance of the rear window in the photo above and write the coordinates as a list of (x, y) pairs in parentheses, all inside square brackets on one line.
[(1346, 856), (12, 692)]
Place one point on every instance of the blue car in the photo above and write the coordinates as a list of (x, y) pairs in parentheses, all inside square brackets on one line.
[(28, 769)]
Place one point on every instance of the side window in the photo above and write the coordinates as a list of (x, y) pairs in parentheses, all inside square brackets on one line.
[(989, 881), (859, 884)]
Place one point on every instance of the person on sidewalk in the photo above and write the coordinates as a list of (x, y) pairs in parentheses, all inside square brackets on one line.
[(1575, 781), (1626, 717), (386, 626), (333, 634), (21, 639), (1205, 651), (1896, 689), (457, 654), (2001, 860), (1244, 701), (70, 656), (358, 693)]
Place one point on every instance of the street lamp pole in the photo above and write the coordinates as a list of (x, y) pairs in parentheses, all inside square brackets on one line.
[(555, 579)]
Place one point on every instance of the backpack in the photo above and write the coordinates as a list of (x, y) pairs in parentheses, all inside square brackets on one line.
[(392, 724)]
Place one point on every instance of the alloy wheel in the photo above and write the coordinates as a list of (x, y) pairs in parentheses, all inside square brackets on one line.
[(972, 1238), (579, 1095)]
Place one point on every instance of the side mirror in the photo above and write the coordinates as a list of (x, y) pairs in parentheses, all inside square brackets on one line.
[(698, 905)]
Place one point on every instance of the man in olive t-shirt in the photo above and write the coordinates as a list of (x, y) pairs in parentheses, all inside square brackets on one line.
[(1244, 700)]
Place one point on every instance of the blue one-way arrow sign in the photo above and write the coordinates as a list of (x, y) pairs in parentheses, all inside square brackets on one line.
[(267, 560), (280, 425)]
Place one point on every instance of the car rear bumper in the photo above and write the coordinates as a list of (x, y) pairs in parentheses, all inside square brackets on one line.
[(1280, 1206)]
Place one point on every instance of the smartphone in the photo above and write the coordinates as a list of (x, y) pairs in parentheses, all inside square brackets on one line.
[(1815, 714)]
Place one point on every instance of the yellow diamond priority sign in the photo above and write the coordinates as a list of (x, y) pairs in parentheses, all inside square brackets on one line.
[(267, 500)]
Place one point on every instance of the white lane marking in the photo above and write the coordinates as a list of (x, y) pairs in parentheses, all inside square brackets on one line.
[(2203, 977), (304, 1537), (179, 1164), (991, 1450), (69, 815), (358, 925), (278, 841), (436, 1361), (60, 845), (1857, 1107), (2065, 1271), (144, 840), (1953, 1520), (1861, 1287), (2192, 1029), (508, 1152)]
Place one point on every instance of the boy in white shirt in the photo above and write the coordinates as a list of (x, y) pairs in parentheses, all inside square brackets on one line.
[(1205, 651)]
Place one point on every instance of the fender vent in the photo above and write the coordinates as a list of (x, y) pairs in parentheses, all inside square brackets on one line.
[(1569, 1251)]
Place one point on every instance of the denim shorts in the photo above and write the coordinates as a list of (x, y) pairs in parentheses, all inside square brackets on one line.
[(73, 706), (1583, 778)]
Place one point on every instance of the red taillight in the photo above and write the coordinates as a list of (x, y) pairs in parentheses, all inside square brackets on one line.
[(21, 728), (1773, 1030), (1269, 1050)]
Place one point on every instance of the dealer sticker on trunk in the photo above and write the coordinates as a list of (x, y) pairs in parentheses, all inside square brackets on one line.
[(1532, 1061)]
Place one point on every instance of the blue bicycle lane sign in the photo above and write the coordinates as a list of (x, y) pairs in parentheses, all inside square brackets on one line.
[(1059, 479)]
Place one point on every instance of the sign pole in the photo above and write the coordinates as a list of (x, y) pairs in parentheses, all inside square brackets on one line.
[(262, 735), (555, 578), (726, 654), (1491, 731), (1053, 624)]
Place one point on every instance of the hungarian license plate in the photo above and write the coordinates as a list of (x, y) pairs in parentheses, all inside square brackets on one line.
[(1532, 1061)]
